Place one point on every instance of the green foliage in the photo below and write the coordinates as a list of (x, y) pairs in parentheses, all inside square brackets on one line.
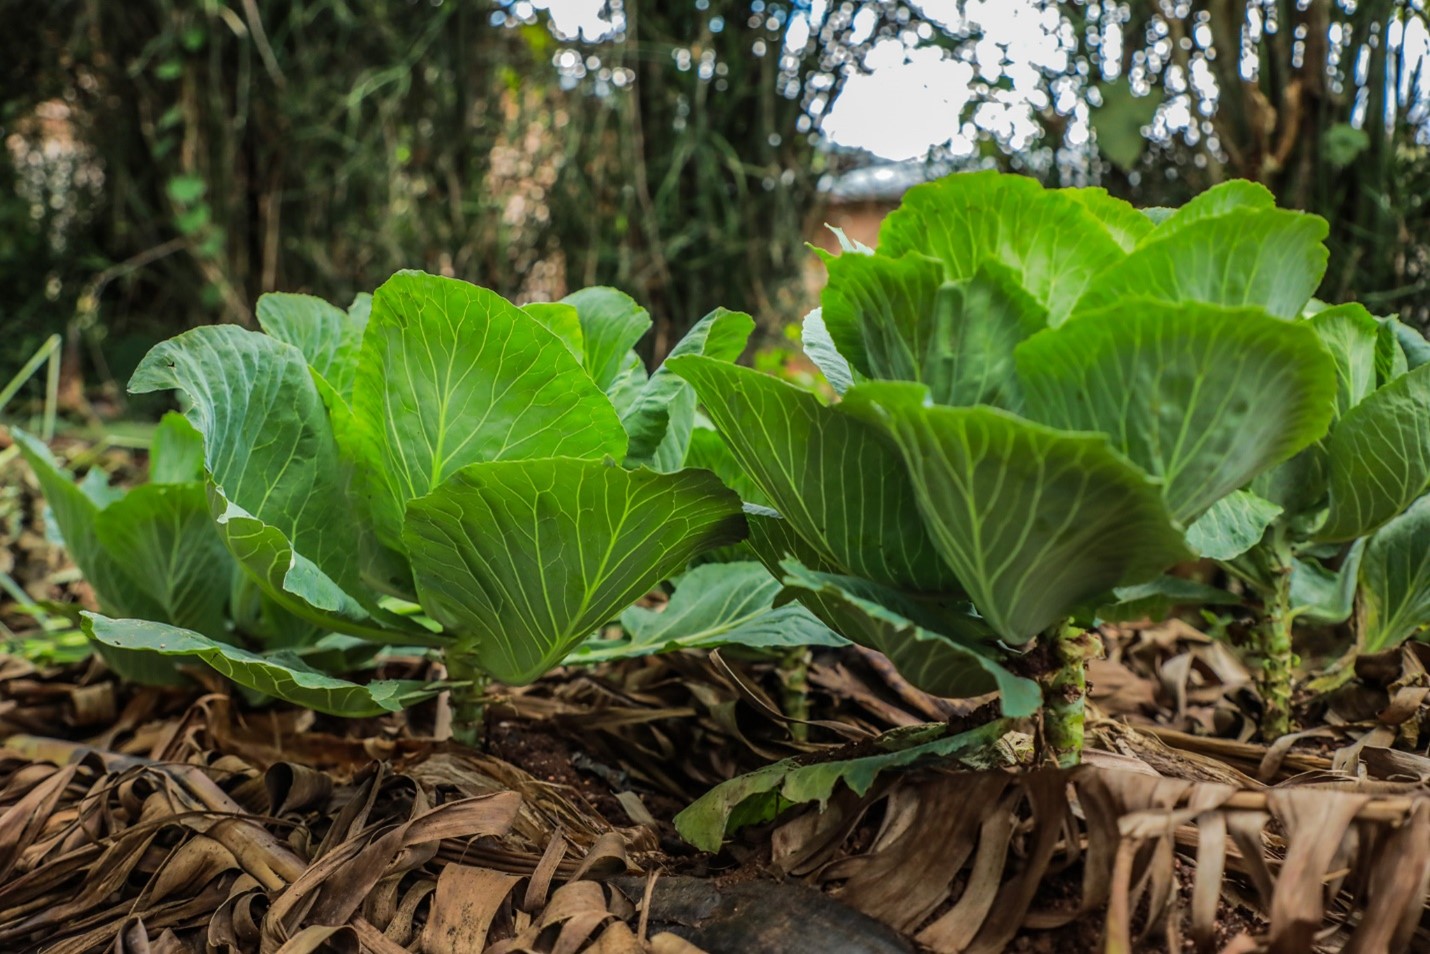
[(1343, 143), (1232, 525), (314, 148), (1334, 524), (522, 560), (151, 552), (1119, 121), (1051, 242), (1042, 392), (1221, 395), (1355, 536), (1268, 258), (1353, 338), (611, 324), (1047, 400), (328, 337), (1032, 520), (715, 604), (899, 319), (1126, 225), (436, 443), (1413, 346), (1324, 596), (708, 451), (820, 348), (176, 453), (955, 660), (828, 473), (302, 146), (1158, 598), (282, 675), (451, 375), (691, 156), (1271, 95), (1379, 457), (661, 416), (761, 795), (276, 485), (1272, 425), (1395, 579)]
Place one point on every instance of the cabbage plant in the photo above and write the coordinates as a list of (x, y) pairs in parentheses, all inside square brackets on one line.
[(1042, 394), (444, 470), (1342, 530), (152, 552)]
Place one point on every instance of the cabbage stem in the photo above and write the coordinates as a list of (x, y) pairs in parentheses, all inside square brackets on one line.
[(1065, 692), (468, 699), (1276, 659), (794, 675)]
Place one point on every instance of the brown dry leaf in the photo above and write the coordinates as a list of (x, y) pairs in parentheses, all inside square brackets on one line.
[(1118, 690), (1315, 823), (1171, 675), (667, 943), (1227, 759), (467, 901), (920, 829), (1328, 860), (115, 851)]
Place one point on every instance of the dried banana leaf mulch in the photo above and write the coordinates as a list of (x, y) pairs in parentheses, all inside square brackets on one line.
[(980, 863), (105, 851), (199, 826)]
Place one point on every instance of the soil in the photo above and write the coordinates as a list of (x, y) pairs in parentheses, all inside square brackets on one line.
[(544, 753)]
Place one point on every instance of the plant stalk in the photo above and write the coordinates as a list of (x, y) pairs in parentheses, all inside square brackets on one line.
[(794, 674), (52, 392), (41, 355), (1065, 692), (468, 699), (1276, 660)]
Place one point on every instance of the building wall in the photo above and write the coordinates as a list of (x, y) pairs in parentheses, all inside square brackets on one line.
[(859, 220)]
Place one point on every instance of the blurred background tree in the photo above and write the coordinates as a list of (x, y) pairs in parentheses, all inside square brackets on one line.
[(693, 157), (213, 153), (1323, 102), (166, 161), (169, 160)]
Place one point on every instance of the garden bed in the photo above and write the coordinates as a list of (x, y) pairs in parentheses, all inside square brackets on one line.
[(176, 820)]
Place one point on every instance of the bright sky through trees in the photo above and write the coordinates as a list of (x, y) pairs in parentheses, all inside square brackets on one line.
[(915, 99)]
